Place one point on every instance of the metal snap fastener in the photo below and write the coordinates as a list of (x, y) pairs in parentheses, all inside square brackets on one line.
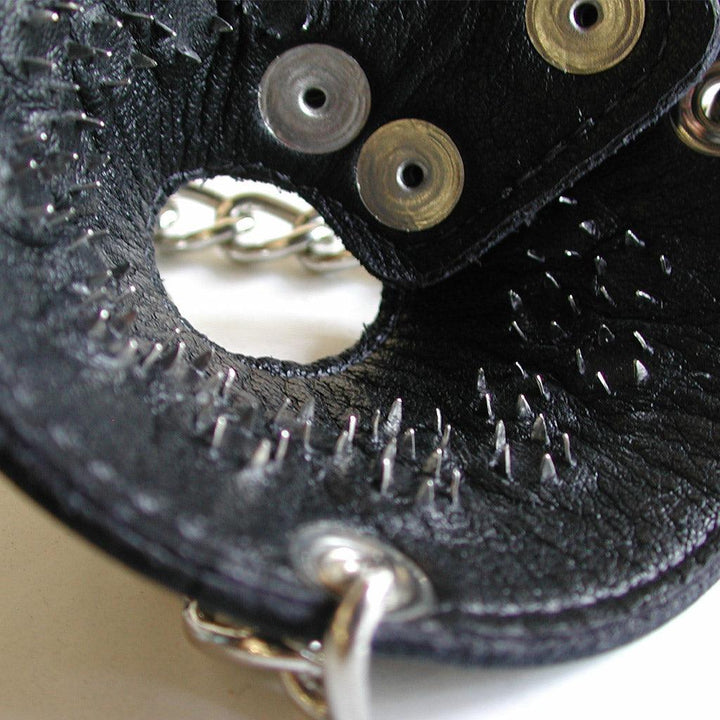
[(410, 175), (697, 116), (314, 98), (584, 36)]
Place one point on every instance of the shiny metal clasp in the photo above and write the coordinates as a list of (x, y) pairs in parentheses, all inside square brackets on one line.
[(329, 679)]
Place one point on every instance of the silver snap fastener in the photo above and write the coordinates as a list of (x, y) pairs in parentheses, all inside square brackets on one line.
[(584, 37), (314, 98), (697, 116), (410, 175)]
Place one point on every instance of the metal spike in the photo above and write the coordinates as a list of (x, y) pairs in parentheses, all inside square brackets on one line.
[(115, 82), (80, 51), (600, 265), (665, 265), (282, 410), (633, 240), (539, 431), (569, 459), (515, 301), (643, 343), (551, 279), (175, 361), (573, 305), (230, 377), (282, 447), (387, 462), (535, 256), (218, 25), (376, 426), (41, 17), (108, 21), (445, 438), (547, 469), (164, 28), (407, 444), (219, 432), (99, 326), (352, 428), (307, 411), (438, 421), (522, 408), (514, 326), (481, 384), (394, 419), (138, 16), (261, 457), (606, 335), (455, 488), (433, 464), (557, 331), (580, 360), (645, 297), (500, 435), (574, 254), (565, 200), (67, 6), (590, 227), (641, 373), (606, 295), (601, 379), (523, 374), (307, 434), (90, 186), (122, 323), (141, 62), (151, 358), (489, 408), (507, 461), (189, 53), (33, 64), (541, 387), (127, 354), (341, 444), (426, 494)]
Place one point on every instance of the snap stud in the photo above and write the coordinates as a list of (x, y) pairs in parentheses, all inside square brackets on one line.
[(584, 37), (410, 175), (696, 118), (314, 98)]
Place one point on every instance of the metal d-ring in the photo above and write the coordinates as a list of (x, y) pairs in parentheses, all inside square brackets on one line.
[(329, 680)]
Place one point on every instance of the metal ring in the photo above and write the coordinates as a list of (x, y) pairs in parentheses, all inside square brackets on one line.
[(696, 118), (410, 175), (314, 98), (584, 37)]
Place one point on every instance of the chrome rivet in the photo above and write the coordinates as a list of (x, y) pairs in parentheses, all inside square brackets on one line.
[(584, 37), (697, 116), (314, 98), (410, 175)]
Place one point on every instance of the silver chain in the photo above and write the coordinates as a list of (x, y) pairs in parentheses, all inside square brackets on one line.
[(235, 217)]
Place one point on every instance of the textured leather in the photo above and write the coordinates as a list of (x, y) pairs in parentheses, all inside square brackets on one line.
[(602, 314)]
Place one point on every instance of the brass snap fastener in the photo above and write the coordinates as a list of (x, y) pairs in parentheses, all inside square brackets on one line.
[(697, 116), (314, 98), (584, 37), (410, 175)]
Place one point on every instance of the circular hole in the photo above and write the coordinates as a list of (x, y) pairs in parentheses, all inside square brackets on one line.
[(710, 102), (585, 15), (314, 98), (275, 309), (411, 175)]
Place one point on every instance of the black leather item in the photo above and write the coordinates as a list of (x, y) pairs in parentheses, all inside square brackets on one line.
[(602, 314)]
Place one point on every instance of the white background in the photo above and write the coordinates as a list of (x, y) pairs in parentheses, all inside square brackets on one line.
[(83, 638)]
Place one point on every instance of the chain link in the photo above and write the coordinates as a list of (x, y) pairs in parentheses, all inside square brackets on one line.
[(236, 217)]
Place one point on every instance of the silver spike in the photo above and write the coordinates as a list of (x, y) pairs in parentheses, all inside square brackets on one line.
[(138, 16), (455, 488), (41, 17), (67, 6), (645, 297), (127, 354), (489, 408), (606, 295), (188, 53), (547, 469), (603, 382), (539, 431), (426, 494), (141, 62), (230, 378), (535, 256), (556, 330), (307, 433), (261, 456), (606, 335), (573, 305), (438, 421), (407, 444), (341, 444), (574, 254), (551, 279), (282, 411), (176, 361), (352, 428), (515, 300), (445, 439), (500, 435), (523, 374), (665, 265), (282, 447), (80, 51), (515, 327), (99, 326), (643, 343), (569, 459), (590, 227), (565, 200), (151, 358), (109, 82), (307, 411), (34, 64), (218, 25), (522, 408), (164, 28), (541, 387), (433, 464), (600, 265), (394, 419), (387, 463), (376, 426), (481, 384), (219, 432), (641, 373), (507, 461), (580, 360), (633, 240)]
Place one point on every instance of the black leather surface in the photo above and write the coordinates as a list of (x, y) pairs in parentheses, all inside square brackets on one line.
[(528, 567)]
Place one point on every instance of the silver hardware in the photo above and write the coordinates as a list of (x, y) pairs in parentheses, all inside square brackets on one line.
[(697, 116), (234, 220), (329, 679), (584, 37), (314, 98), (410, 175)]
